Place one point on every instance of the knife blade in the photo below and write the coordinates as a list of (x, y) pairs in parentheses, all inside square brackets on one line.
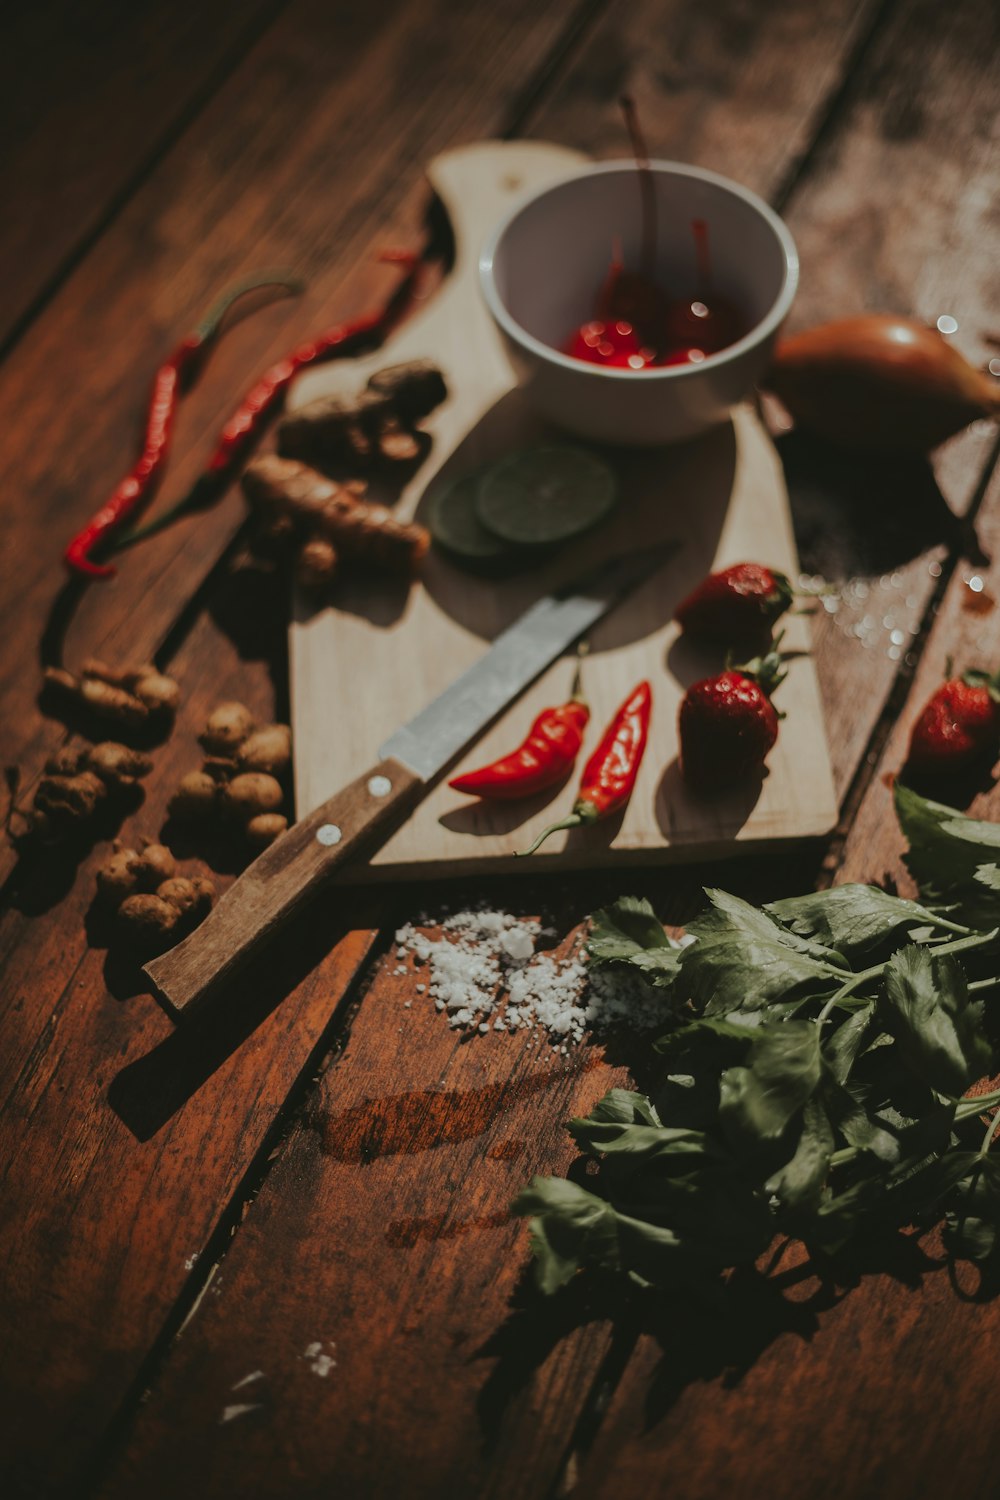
[(364, 813)]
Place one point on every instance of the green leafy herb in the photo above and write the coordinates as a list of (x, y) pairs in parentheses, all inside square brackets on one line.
[(814, 1080)]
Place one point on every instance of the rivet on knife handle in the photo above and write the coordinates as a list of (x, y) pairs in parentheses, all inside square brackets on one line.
[(278, 882)]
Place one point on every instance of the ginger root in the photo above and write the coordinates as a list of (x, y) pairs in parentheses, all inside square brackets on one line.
[(79, 781), (151, 906), (133, 698), (240, 779), (376, 426), (227, 728)]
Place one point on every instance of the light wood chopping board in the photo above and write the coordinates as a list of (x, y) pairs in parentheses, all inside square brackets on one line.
[(379, 652)]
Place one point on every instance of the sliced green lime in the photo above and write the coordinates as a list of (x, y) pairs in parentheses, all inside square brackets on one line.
[(455, 525), (545, 495)]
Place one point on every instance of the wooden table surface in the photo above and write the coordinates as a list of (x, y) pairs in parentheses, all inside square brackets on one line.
[(317, 1162)]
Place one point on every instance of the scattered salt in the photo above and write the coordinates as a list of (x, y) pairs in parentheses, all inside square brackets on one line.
[(240, 1410), (483, 969), (248, 1379)]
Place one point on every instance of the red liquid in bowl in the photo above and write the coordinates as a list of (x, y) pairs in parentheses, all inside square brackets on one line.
[(638, 327)]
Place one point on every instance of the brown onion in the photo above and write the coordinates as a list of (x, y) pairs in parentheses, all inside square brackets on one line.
[(881, 383)]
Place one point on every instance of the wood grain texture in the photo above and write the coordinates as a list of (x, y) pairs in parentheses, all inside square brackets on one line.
[(807, 1364), (90, 95), (717, 496), (314, 1262), (385, 1227), (883, 221), (211, 203), (123, 1142), (289, 875), (306, 153)]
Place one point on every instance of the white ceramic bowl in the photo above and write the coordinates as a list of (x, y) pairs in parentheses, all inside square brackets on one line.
[(542, 268)]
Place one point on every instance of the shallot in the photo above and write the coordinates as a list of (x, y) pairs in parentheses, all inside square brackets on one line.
[(879, 382)]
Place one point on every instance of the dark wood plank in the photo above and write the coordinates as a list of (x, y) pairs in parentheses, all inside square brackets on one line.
[(89, 96), (310, 123), (124, 1139), (310, 150), (852, 1390), (405, 1249), (885, 222)]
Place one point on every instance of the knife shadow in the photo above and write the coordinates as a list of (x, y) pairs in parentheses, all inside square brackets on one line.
[(147, 1093)]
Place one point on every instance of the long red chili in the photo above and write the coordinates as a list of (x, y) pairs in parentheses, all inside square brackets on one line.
[(545, 757), (609, 775), (263, 399), (176, 375)]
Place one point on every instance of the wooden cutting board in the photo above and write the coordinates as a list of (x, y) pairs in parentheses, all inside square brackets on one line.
[(380, 652)]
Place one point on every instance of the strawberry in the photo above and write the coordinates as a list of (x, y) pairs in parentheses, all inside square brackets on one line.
[(737, 602), (958, 728), (727, 724)]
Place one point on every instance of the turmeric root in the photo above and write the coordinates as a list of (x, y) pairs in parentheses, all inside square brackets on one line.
[(354, 528)]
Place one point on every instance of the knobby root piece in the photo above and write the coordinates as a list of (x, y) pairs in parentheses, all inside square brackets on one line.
[(227, 728), (195, 797), (250, 793), (130, 695), (316, 564), (265, 828), (156, 865), (267, 749), (147, 918), (119, 876), (191, 895)]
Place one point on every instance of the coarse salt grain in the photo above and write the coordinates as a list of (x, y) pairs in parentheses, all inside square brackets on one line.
[(484, 968)]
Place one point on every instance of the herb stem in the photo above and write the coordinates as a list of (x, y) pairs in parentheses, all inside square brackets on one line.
[(844, 1155), (977, 1105), (991, 1132), (847, 989)]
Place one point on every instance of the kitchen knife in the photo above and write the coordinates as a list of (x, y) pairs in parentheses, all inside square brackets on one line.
[(363, 814)]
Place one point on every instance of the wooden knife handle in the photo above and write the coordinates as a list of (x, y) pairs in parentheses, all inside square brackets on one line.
[(279, 882)]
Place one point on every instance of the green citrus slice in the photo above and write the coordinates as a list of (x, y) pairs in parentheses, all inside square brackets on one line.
[(545, 495), (455, 524)]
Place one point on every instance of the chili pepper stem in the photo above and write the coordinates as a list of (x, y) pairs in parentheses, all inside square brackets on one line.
[(573, 821), (210, 485), (210, 324)]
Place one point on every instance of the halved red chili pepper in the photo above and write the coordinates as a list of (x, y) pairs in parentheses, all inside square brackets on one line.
[(176, 375), (609, 775), (545, 756)]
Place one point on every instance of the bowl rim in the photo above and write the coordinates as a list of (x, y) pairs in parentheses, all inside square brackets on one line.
[(758, 334)]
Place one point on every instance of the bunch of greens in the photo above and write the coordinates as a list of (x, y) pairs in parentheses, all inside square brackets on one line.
[(813, 1082)]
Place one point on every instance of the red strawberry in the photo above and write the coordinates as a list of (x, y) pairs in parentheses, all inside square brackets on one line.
[(958, 728), (735, 603), (727, 724)]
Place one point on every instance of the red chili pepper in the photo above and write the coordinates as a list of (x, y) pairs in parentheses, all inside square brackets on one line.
[(264, 398), (545, 757), (609, 775), (176, 375)]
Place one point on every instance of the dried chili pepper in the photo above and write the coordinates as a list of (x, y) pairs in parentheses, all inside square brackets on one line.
[(266, 397), (545, 757), (609, 775), (175, 376)]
